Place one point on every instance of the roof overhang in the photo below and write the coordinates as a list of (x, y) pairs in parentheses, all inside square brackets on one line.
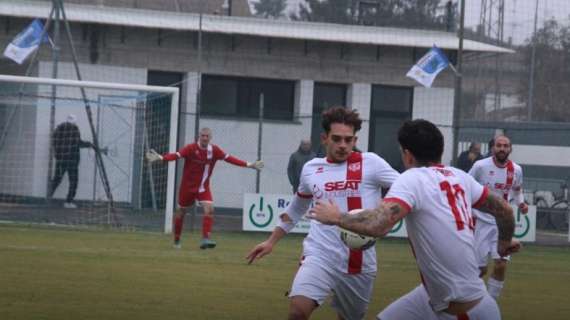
[(140, 18)]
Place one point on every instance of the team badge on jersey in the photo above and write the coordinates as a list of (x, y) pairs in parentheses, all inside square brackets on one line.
[(320, 170), (354, 167)]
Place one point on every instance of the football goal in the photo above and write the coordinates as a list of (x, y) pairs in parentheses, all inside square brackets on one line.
[(72, 152)]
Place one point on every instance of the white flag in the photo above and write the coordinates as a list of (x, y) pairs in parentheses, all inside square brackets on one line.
[(428, 67), (26, 42)]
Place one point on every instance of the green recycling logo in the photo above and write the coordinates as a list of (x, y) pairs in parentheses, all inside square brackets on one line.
[(260, 217), (525, 224), (397, 226)]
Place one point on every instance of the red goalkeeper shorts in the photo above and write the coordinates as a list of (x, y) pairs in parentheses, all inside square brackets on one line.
[(186, 199)]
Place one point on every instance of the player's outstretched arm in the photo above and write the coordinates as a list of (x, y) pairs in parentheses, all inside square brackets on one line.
[(265, 247), (152, 156), (257, 165), (370, 222), (504, 216)]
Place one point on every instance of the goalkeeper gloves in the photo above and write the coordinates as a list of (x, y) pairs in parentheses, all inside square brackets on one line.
[(153, 156), (257, 165)]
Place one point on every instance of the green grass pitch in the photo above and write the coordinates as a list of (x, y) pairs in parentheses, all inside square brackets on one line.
[(55, 273)]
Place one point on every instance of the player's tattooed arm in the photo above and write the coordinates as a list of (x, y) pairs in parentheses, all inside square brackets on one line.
[(503, 213), (374, 222)]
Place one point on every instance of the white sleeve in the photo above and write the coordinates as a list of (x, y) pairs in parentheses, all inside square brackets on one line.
[(384, 173), (295, 211), (518, 194), (403, 190), (477, 193), (298, 206)]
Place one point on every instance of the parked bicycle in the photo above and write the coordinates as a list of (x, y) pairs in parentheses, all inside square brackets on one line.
[(554, 210)]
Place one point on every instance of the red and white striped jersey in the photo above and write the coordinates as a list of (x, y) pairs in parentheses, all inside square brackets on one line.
[(440, 230), (353, 184), (199, 164), (504, 181)]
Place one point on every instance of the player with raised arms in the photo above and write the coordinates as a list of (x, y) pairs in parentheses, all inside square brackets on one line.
[(199, 160), (436, 202), (354, 181)]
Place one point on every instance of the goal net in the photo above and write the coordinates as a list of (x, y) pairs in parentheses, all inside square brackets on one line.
[(72, 152)]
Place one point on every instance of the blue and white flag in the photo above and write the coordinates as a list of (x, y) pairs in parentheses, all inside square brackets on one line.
[(428, 67), (26, 42)]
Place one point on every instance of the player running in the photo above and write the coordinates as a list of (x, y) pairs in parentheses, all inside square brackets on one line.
[(436, 202), (199, 160), (504, 178), (353, 180)]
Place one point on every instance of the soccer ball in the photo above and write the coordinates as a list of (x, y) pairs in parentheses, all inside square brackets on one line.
[(354, 240)]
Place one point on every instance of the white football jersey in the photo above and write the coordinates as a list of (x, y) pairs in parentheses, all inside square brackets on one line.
[(440, 230), (503, 181), (353, 184)]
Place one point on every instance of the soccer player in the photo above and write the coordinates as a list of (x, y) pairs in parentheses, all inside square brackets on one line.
[(504, 178), (436, 202), (199, 160), (354, 180)]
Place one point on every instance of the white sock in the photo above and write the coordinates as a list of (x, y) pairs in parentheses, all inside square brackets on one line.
[(494, 287)]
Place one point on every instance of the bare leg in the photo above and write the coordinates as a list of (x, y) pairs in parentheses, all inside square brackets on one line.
[(301, 308)]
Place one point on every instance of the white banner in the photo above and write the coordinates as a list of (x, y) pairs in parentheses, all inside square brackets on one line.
[(525, 224), (261, 212)]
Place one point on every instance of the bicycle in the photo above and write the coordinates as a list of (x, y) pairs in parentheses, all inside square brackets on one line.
[(555, 210)]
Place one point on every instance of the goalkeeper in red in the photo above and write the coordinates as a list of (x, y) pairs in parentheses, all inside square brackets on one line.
[(199, 160)]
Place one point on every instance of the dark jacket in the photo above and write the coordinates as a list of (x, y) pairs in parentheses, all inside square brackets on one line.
[(296, 162), (66, 142), (464, 163)]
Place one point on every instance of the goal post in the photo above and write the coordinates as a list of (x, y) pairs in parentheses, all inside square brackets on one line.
[(129, 119)]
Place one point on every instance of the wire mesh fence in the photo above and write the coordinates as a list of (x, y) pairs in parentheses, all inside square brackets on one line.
[(303, 56)]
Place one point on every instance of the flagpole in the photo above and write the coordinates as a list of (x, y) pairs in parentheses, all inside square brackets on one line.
[(458, 87), (55, 61)]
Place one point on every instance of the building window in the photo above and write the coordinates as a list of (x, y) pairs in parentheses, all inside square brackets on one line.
[(391, 105), (325, 95), (239, 97)]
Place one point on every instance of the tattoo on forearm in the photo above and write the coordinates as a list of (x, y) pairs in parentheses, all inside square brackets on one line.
[(503, 214), (372, 222)]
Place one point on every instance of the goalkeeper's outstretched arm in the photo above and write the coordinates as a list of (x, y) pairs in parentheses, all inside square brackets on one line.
[(152, 156)]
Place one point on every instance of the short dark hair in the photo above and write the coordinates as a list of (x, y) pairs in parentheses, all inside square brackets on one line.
[(423, 139), (342, 115)]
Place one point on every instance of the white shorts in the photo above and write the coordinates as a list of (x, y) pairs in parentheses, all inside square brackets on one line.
[(486, 241), (351, 292), (415, 306)]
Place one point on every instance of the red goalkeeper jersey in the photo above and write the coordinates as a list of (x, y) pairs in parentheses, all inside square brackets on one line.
[(199, 164)]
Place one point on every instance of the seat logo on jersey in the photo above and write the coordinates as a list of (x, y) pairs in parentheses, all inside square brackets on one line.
[(354, 167), (503, 186), (491, 173), (342, 185)]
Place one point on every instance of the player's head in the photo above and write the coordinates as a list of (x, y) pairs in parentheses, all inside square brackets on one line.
[(475, 147), (421, 143), (502, 148), (340, 125), (305, 145), (205, 137)]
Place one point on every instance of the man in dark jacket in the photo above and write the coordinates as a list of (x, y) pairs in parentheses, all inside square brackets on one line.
[(467, 158), (297, 161), (66, 142)]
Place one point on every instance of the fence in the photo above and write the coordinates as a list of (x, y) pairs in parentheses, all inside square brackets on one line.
[(223, 57)]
